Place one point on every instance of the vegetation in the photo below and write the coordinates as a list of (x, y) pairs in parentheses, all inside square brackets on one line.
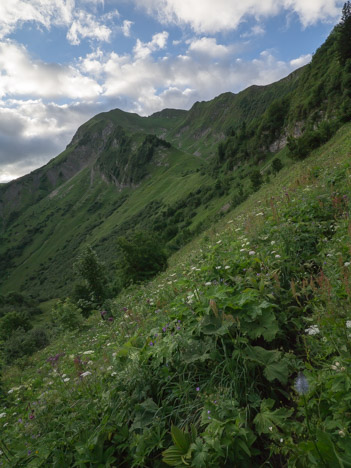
[(237, 354)]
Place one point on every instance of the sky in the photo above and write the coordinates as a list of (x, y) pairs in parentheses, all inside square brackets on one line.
[(64, 61)]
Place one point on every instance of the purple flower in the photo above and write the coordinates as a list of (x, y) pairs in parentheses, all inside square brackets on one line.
[(110, 319), (197, 389), (103, 312), (151, 343)]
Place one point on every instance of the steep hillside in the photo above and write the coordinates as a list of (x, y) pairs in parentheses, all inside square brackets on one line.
[(171, 173), (238, 355)]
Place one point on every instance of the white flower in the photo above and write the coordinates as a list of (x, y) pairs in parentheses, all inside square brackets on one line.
[(109, 368), (67, 379), (219, 242), (347, 264), (348, 323), (2, 415), (227, 267), (63, 376), (273, 242), (208, 283), (85, 374), (113, 374), (277, 256), (11, 391), (242, 250), (218, 267), (252, 252), (6, 424), (88, 352), (270, 428), (259, 214), (312, 330)]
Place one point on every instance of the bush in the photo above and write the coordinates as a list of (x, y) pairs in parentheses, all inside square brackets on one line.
[(141, 256), (93, 273), (66, 315), (22, 343)]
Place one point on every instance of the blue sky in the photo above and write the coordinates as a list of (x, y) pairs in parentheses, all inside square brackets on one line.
[(63, 61)]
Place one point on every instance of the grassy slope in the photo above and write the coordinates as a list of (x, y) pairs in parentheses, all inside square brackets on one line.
[(124, 409), (81, 213)]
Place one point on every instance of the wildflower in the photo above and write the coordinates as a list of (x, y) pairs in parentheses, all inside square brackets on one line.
[(312, 330), (277, 256), (227, 267), (88, 352), (341, 433), (273, 242), (10, 391), (270, 428), (67, 379), (218, 267), (347, 264), (252, 252), (301, 384), (6, 424), (197, 389), (348, 324), (85, 374), (281, 440), (2, 415), (208, 283), (113, 374), (151, 343), (110, 319)]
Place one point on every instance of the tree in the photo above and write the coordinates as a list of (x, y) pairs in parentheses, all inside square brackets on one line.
[(277, 165), (256, 179), (141, 256), (93, 273), (344, 32)]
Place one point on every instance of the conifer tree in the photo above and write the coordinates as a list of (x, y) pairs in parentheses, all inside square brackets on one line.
[(344, 41)]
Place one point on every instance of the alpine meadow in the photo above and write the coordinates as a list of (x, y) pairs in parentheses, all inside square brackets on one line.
[(175, 290)]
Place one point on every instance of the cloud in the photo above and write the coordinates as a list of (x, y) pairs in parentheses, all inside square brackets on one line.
[(211, 17), (23, 76), (207, 46), (143, 50), (126, 27), (301, 61), (43, 12), (85, 26)]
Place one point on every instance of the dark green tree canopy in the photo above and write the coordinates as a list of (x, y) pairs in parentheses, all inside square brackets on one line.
[(344, 30)]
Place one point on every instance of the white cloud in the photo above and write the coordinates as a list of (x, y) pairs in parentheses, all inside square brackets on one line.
[(301, 61), (208, 16), (144, 49), (149, 84), (22, 76), (85, 26), (43, 12), (208, 46), (126, 26)]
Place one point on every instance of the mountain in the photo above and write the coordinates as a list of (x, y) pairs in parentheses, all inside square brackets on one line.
[(172, 173)]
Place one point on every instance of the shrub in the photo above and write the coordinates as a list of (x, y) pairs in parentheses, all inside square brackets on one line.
[(66, 315), (141, 256), (93, 273)]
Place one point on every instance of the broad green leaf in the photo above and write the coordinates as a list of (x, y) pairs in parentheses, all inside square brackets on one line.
[(180, 439)]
